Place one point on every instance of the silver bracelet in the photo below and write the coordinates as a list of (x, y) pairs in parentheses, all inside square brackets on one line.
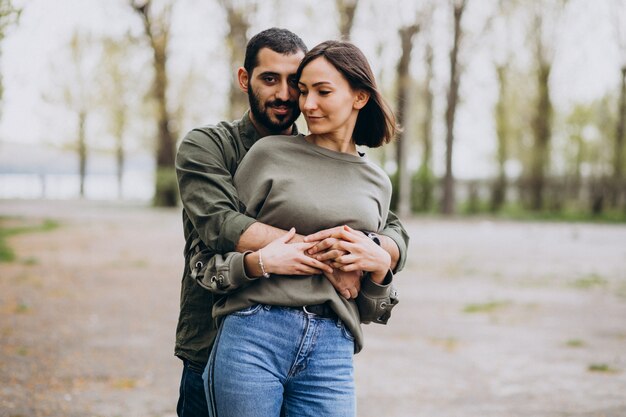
[(265, 274)]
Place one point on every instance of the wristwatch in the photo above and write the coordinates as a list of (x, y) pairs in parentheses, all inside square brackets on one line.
[(373, 236)]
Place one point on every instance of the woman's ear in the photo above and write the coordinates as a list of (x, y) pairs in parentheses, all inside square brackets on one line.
[(361, 99), (242, 79)]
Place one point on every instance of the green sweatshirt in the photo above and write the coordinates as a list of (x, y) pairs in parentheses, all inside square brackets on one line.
[(287, 182)]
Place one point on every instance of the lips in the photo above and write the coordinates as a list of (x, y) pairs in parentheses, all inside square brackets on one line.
[(281, 109)]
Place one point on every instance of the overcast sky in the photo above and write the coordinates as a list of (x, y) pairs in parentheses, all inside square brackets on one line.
[(586, 64)]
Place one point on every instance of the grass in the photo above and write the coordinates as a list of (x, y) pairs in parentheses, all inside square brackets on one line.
[(590, 281), (7, 254), (602, 368), (575, 343), (489, 307)]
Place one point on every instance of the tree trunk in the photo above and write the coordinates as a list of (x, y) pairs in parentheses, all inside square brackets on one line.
[(502, 132), (347, 10), (82, 151), (447, 205), (120, 121), (542, 132), (157, 30), (402, 144), (237, 40), (425, 179), (620, 133)]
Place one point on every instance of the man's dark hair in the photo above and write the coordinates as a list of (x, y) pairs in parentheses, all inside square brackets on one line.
[(278, 40)]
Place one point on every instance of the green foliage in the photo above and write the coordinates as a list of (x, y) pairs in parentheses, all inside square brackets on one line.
[(488, 307), (6, 252), (166, 192), (422, 195)]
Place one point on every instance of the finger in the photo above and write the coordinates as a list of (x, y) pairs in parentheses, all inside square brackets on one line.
[(307, 270), (314, 263), (323, 234), (303, 246), (348, 235), (288, 236), (347, 259), (353, 292), (322, 245), (330, 255), (347, 246), (346, 294), (349, 267)]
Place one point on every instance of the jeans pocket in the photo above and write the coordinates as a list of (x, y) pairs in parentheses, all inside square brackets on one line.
[(345, 332), (248, 311)]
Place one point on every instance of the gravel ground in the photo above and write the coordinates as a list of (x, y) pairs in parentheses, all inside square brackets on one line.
[(496, 318)]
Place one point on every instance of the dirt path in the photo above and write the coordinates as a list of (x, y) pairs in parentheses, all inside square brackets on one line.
[(496, 319)]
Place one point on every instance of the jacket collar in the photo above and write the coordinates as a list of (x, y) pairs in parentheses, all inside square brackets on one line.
[(248, 133)]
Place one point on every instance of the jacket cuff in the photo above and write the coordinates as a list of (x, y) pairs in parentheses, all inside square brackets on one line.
[(375, 290), (232, 229), (238, 274)]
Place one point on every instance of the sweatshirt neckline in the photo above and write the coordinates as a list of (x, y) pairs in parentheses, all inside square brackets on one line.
[(361, 159)]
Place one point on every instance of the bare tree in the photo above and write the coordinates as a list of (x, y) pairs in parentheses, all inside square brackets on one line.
[(458, 7), (541, 34), (425, 178), (501, 26), (347, 11), (74, 92), (9, 16), (117, 84), (157, 31), (238, 16), (620, 128), (407, 33)]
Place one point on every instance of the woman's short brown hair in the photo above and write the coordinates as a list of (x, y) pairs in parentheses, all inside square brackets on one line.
[(376, 123)]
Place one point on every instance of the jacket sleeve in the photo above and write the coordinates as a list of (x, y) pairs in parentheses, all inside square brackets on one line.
[(394, 230), (205, 178), (220, 274), (375, 301)]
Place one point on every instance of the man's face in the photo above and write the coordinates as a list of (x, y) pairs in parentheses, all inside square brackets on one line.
[(272, 92)]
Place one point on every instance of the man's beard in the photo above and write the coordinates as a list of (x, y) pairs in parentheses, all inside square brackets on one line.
[(260, 112)]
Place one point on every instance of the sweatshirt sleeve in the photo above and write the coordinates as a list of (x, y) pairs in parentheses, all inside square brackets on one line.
[(395, 230)]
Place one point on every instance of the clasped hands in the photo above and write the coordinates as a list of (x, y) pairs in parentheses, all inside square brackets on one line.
[(341, 253)]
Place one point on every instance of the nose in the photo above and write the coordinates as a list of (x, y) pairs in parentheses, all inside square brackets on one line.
[(308, 102), (283, 91)]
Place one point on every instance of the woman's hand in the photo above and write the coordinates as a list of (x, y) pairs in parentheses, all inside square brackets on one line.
[(361, 254), (285, 258)]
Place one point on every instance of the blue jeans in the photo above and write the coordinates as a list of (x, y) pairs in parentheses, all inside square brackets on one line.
[(192, 397), (273, 361)]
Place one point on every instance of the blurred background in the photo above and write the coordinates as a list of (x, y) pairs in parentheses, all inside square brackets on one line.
[(509, 177), (507, 106)]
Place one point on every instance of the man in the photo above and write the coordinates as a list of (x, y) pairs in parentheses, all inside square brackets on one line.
[(206, 162)]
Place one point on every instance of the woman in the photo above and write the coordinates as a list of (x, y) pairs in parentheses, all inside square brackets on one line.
[(285, 343)]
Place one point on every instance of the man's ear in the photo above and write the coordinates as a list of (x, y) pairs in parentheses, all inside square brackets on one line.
[(361, 99), (242, 79)]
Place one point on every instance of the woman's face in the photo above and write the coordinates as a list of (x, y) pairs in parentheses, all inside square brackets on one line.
[(326, 100)]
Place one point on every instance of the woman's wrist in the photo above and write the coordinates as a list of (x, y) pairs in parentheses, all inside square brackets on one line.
[(251, 263)]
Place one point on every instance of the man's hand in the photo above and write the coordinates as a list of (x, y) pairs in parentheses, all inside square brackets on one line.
[(286, 258), (347, 284)]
